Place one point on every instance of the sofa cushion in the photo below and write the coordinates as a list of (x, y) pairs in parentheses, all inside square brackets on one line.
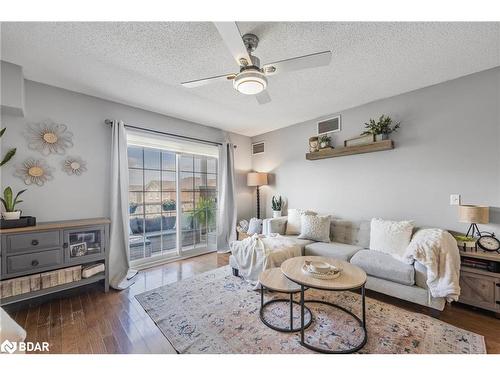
[(391, 237), (351, 232), (316, 228), (293, 224), (301, 243), (382, 265), (335, 250), (255, 226)]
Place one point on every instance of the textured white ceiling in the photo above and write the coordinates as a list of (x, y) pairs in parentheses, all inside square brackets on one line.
[(142, 64)]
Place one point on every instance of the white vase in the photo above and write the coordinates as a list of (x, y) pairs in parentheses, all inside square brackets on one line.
[(276, 214), (11, 215)]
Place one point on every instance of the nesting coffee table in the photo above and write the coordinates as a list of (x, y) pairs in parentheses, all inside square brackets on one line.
[(274, 280), (352, 278)]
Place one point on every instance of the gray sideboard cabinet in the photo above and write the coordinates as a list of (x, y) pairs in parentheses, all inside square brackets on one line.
[(48, 258)]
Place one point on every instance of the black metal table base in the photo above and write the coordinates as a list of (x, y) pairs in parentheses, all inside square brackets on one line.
[(263, 305), (361, 322)]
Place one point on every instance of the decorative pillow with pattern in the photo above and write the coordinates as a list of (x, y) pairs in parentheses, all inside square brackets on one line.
[(390, 237), (315, 228), (293, 224), (255, 226)]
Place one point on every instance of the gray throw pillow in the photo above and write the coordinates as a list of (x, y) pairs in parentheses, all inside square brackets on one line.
[(255, 226)]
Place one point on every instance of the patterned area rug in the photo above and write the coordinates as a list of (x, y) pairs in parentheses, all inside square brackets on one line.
[(216, 312)]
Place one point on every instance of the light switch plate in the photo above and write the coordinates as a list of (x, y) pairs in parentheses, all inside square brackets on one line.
[(454, 199)]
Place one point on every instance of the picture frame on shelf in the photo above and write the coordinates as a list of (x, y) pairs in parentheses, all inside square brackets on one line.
[(78, 249)]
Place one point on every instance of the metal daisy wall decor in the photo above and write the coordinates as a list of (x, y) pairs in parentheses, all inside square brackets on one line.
[(74, 165), (34, 171), (49, 138)]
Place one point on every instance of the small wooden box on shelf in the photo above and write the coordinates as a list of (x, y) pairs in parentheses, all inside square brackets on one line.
[(480, 286)]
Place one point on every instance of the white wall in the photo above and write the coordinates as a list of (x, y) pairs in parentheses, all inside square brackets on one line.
[(449, 142), (86, 196)]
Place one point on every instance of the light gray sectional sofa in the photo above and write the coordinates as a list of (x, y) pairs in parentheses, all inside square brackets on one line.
[(350, 242)]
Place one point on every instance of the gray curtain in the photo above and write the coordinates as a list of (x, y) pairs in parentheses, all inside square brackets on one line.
[(226, 223), (120, 273)]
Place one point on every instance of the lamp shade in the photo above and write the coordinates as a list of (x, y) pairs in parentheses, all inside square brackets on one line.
[(256, 179), (474, 214)]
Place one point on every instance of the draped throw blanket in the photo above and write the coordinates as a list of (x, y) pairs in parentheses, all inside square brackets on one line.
[(257, 253), (438, 251)]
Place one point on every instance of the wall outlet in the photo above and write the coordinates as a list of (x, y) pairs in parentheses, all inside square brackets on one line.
[(455, 200)]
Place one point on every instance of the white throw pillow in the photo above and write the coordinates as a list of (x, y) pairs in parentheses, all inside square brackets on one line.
[(390, 237), (316, 228), (255, 226), (293, 223)]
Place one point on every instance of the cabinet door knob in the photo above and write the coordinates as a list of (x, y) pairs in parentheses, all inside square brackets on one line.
[(34, 263), (34, 242)]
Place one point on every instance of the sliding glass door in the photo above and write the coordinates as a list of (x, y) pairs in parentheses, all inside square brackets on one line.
[(160, 226), (198, 191)]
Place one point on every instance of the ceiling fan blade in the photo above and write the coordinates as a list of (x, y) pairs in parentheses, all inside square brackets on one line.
[(263, 97), (231, 35), (298, 63), (207, 81)]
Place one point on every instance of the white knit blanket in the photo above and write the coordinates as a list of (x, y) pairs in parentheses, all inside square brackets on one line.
[(438, 251), (258, 253)]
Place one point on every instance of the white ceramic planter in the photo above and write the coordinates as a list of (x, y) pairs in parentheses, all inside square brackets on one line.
[(381, 137), (276, 214), (11, 215)]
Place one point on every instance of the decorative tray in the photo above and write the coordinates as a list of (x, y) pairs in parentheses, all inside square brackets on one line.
[(321, 270)]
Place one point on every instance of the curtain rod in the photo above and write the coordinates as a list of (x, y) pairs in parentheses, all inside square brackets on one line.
[(110, 122)]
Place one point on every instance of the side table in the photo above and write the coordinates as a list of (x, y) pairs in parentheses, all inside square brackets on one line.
[(274, 280)]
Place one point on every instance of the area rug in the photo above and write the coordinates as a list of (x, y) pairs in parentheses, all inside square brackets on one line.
[(216, 312)]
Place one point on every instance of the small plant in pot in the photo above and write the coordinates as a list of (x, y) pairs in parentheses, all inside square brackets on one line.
[(324, 141), (168, 205), (277, 205), (9, 204), (381, 128)]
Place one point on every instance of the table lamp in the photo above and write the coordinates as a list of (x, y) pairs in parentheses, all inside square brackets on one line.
[(474, 215), (257, 179)]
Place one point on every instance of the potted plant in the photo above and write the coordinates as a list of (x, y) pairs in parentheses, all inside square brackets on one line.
[(324, 141), (9, 204), (381, 128), (168, 205), (204, 214), (277, 205), (9, 153)]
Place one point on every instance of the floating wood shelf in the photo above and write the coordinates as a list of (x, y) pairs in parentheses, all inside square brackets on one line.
[(351, 150)]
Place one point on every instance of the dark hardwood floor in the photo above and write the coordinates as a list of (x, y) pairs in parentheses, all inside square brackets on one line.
[(87, 320)]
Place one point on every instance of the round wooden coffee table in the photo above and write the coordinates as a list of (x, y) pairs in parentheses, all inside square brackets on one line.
[(274, 280), (351, 278)]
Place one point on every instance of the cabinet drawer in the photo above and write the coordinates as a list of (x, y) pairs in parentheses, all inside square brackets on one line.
[(33, 241), (479, 290), (34, 261)]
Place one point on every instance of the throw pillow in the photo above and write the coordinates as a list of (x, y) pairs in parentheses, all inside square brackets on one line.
[(390, 237), (293, 224), (316, 228), (255, 226)]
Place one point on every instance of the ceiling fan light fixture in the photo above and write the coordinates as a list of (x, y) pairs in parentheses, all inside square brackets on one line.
[(250, 82)]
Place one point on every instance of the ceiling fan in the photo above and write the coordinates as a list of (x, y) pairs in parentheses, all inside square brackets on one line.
[(252, 77)]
